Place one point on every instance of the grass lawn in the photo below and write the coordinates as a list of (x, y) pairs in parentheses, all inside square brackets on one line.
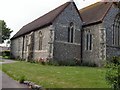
[(58, 76)]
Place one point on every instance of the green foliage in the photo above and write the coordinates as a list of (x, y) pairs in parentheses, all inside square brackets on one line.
[(53, 62), (66, 62), (89, 64), (113, 73), (6, 53), (4, 31), (42, 61), (73, 62)]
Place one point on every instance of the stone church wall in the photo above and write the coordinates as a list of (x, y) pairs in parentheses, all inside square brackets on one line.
[(63, 50), (111, 50), (16, 47), (92, 57), (45, 52), (19, 50), (55, 40)]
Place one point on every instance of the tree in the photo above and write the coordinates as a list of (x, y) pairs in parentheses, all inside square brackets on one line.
[(4, 31), (113, 73), (7, 43)]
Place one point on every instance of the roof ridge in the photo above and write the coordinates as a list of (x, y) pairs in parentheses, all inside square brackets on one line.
[(46, 20), (47, 13), (106, 12)]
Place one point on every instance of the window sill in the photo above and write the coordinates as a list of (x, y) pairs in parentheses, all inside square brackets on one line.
[(68, 43), (88, 50)]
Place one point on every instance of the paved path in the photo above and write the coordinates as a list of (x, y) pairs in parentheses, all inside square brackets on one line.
[(5, 61), (6, 81)]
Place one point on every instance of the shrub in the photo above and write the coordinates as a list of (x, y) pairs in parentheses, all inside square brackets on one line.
[(89, 64), (52, 62), (66, 62), (113, 72), (43, 61), (31, 60), (69, 62), (6, 53), (72, 62)]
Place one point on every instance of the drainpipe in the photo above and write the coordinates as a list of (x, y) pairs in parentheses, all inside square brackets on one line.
[(82, 30), (81, 46)]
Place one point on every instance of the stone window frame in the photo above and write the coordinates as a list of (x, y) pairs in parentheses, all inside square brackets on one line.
[(71, 32), (102, 48), (116, 31), (27, 41), (102, 35), (40, 40), (88, 40)]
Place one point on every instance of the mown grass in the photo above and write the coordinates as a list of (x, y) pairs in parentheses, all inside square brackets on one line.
[(58, 76)]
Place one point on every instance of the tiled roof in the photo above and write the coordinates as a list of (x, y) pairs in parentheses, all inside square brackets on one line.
[(95, 13), (90, 15), (42, 21)]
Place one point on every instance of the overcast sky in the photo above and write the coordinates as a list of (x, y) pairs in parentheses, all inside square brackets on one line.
[(17, 13)]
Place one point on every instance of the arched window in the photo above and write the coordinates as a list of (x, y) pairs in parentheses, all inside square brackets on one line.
[(88, 40), (40, 40), (116, 31), (71, 33)]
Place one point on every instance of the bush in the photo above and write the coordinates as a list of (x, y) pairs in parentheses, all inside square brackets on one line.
[(42, 61), (72, 62), (69, 62), (6, 53), (66, 62), (113, 72), (89, 64), (52, 62)]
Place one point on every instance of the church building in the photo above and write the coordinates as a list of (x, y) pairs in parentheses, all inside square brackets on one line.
[(89, 35)]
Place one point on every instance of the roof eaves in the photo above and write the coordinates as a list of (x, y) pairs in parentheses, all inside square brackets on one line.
[(32, 30), (92, 23)]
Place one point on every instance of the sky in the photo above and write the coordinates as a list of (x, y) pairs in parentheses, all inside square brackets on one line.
[(17, 13)]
